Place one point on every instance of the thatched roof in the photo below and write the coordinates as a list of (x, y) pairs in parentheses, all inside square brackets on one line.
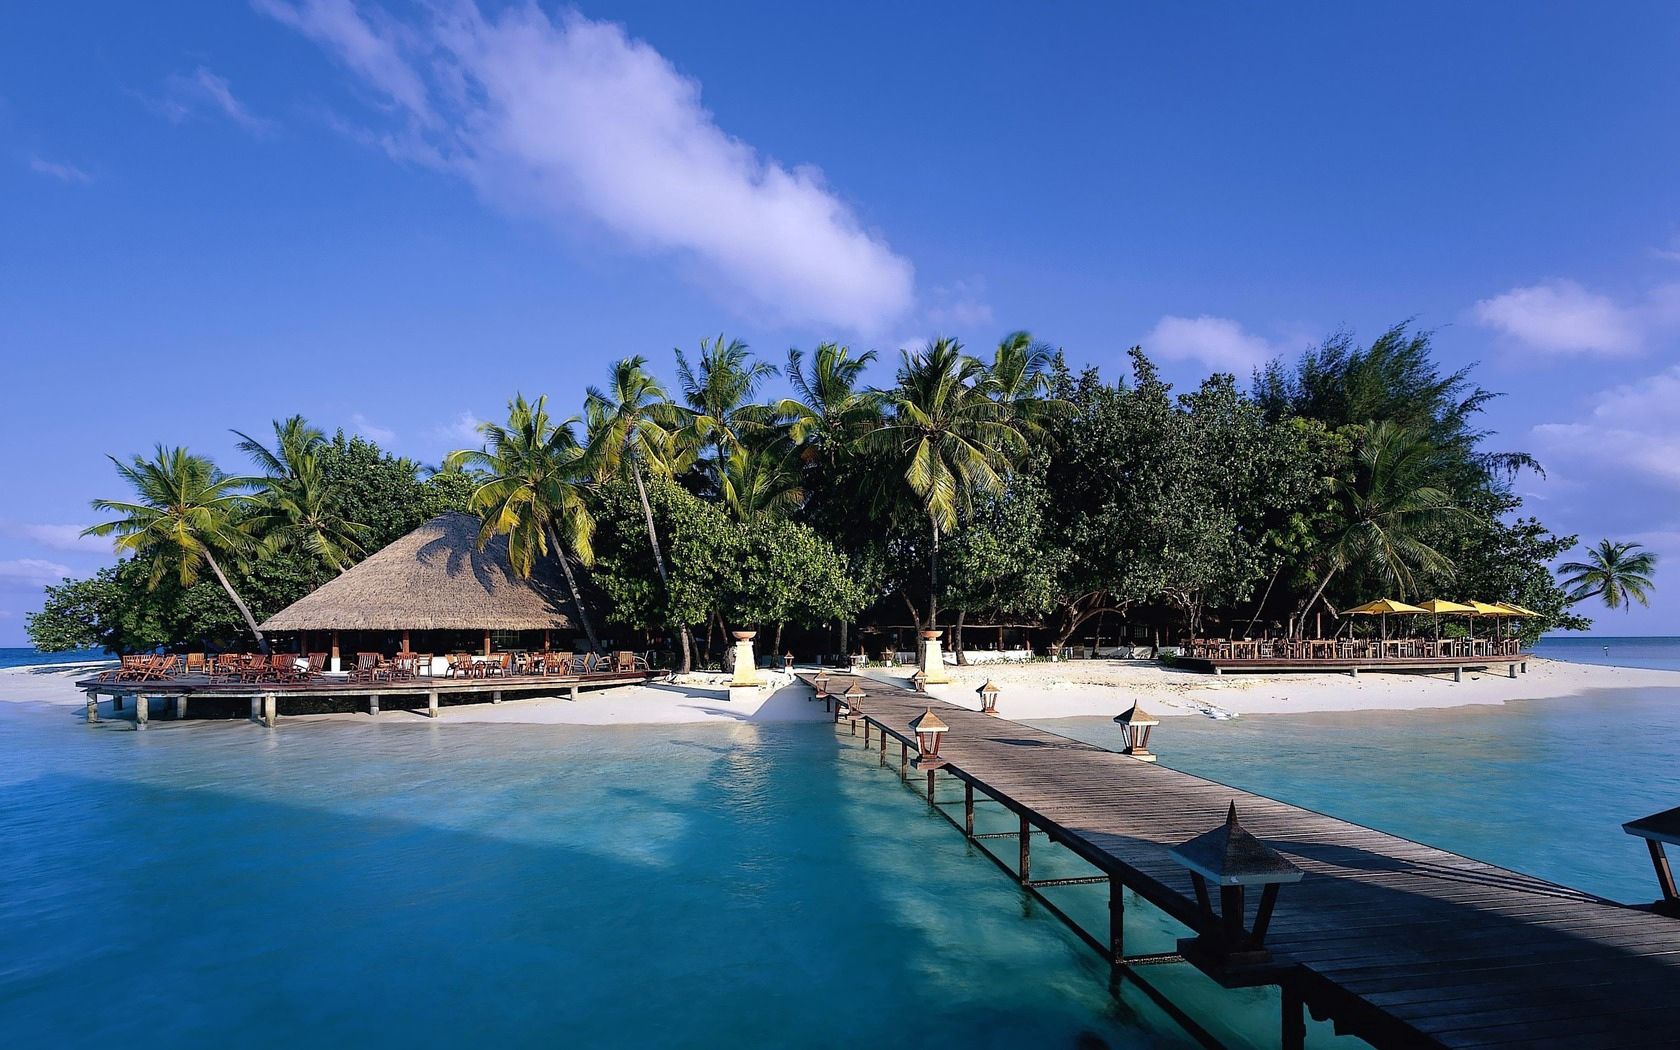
[(434, 579)]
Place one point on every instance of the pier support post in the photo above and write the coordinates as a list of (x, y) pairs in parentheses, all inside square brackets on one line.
[(1116, 920), (1458, 674), (181, 707), (256, 709), (1294, 1019), (883, 749), (903, 761), (270, 710), (1511, 670), (432, 704), (373, 703), (92, 706), (141, 706), (931, 774), (1026, 852), (866, 732), (968, 808), (1353, 672), (1665, 874), (116, 701), (573, 694), (496, 697)]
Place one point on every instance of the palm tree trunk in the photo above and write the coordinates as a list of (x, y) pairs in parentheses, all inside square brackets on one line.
[(577, 597), (239, 603), (933, 578), (659, 561), (1316, 596), (957, 638)]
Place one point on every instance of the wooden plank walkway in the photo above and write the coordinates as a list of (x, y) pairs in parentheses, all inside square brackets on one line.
[(1400, 943), (1221, 665)]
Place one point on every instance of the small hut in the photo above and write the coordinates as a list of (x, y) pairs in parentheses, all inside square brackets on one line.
[(436, 583)]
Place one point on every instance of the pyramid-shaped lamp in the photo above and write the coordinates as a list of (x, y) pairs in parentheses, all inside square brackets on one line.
[(1137, 723), (988, 697), (1232, 859), (928, 728)]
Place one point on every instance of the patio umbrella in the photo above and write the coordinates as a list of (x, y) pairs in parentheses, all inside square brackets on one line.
[(1437, 607), (1382, 607), (1487, 609)]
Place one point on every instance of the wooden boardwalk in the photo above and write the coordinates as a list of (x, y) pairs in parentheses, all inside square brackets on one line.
[(1223, 665), (1399, 943)]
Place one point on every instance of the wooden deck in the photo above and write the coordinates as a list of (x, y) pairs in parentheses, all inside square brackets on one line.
[(1401, 944), (265, 697), (1353, 666)]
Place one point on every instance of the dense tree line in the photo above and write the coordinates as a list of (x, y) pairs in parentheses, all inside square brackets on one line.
[(997, 488)]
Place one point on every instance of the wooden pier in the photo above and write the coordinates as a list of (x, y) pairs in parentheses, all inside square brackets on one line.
[(265, 697), (1395, 942), (1457, 665)]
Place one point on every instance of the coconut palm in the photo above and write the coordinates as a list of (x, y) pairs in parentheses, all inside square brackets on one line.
[(1387, 507), (831, 408), (1619, 573), (186, 512), (946, 439), (760, 481), (631, 431), (534, 494), (295, 505), (1019, 378), (717, 393)]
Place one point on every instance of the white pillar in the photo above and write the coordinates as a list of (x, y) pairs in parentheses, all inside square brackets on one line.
[(180, 707), (746, 665), (432, 704), (271, 705), (496, 697), (573, 696), (932, 662), (92, 706), (141, 704), (373, 703)]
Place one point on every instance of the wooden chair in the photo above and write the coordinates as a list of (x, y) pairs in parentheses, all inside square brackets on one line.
[(195, 663), (367, 666), (423, 664), (317, 663), (402, 668)]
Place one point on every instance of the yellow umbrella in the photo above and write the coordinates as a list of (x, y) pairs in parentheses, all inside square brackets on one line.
[(1513, 609), (1438, 607), (1484, 609), (1382, 607)]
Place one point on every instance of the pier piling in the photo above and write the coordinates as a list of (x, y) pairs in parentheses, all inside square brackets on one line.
[(92, 706)]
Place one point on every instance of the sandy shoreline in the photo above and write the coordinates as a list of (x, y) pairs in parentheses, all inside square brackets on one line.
[(1028, 692)]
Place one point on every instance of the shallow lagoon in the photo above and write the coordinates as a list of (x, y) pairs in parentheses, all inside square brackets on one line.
[(697, 886)]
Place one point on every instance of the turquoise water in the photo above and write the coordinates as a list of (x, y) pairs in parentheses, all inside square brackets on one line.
[(410, 883), (1661, 654), (22, 657), (1542, 786)]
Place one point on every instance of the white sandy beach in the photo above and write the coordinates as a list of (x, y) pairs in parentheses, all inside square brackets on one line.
[(1028, 692)]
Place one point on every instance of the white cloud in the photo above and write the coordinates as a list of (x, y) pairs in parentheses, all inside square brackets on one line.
[(62, 172), (959, 308), (372, 431), (31, 573), (187, 94), (568, 118), (463, 428), (1215, 341), (1560, 316), (61, 537), (1627, 427)]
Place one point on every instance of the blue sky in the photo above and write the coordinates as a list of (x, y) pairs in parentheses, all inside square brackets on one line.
[(391, 217)]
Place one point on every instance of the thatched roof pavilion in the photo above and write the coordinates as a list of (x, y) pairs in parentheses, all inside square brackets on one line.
[(435, 579)]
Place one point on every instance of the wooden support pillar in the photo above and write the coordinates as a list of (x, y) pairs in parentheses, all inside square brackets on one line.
[(1025, 870), (256, 709), (181, 707), (92, 706), (141, 706), (968, 808), (432, 704), (546, 644), (116, 702), (406, 647), (866, 732), (271, 710), (903, 761), (1294, 1018), (931, 774), (373, 703), (487, 641), (883, 749), (1458, 674), (1665, 875), (1116, 920), (1231, 914)]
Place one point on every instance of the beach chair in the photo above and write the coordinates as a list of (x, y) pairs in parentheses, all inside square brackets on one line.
[(195, 664), (317, 664), (367, 666), (402, 668)]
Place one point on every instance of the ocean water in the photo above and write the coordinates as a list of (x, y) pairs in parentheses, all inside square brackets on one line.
[(1662, 654), (411, 883), (24, 657)]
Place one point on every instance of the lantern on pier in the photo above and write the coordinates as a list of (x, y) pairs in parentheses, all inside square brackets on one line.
[(787, 661), (988, 697), (854, 699), (821, 682), (918, 681), (928, 728), (1137, 723), (1231, 859)]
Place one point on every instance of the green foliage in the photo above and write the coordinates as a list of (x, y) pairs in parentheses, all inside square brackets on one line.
[(1619, 573)]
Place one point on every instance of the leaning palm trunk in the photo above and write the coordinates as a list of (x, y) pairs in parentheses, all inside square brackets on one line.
[(659, 562), (250, 620), (577, 596), (957, 637)]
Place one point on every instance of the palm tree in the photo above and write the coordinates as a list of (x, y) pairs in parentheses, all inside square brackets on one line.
[(831, 408), (534, 493), (297, 506), (761, 481), (717, 396), (1019, 378), (631, 425), (185, 511), (1387, 507), (1620, 573), (946, 438)]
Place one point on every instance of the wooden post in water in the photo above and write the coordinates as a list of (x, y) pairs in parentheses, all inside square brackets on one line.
[(903, 761), (432, 704), (141, 703), (1294, 1018), (271, 712), (931, 773), (968, 808), (1025, 870), (1116, 920), (866, 732), (883, 749), (92, 706)]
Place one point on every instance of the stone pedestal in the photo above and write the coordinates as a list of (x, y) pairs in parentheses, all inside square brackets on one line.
[(932, 661), (746, 665)]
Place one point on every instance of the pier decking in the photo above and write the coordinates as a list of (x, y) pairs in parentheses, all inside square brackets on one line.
[(1510, 665), (1398, 943)]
